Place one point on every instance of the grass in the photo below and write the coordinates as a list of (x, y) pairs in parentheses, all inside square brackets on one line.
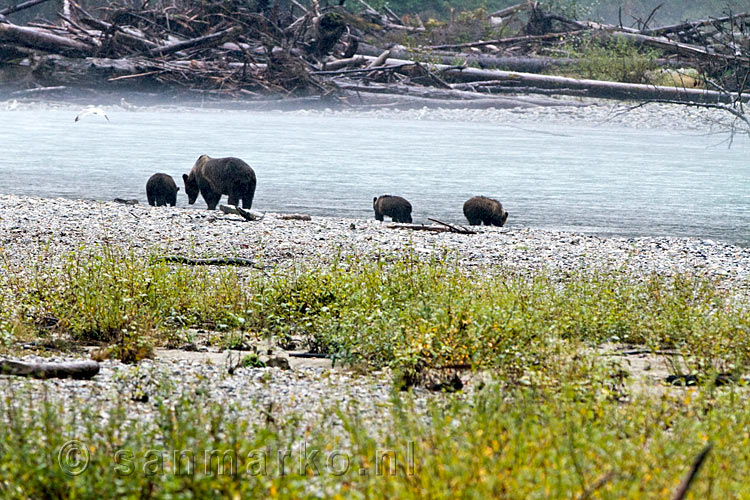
[(409, 314), (553, 421), (521, 442), (616, 61)]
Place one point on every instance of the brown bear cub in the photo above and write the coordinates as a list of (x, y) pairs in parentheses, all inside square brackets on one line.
[(481, 209), (395, 207), (213, 177), (161, 190)]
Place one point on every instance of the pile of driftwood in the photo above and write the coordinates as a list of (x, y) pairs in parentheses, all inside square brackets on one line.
[(227, 47)]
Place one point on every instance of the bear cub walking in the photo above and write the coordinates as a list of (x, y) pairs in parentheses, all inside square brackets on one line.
[(161, 190), (395, 207), (481, 209)]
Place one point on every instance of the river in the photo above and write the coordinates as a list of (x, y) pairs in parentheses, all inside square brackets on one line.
[(591, 178)]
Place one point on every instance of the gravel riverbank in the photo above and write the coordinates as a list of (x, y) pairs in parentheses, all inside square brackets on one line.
[(60, 226), (47, 229)]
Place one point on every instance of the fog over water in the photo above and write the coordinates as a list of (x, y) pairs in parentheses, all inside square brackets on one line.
[(601, 179)]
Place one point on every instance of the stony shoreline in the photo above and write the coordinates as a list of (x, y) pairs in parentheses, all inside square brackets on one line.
[(61, 226), (49, 229)]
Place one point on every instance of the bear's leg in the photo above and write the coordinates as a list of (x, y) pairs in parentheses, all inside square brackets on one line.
[(160, 201), (213, 202), (151, 200), (379, 217), (233, 200), (212, 199), (247, 201)]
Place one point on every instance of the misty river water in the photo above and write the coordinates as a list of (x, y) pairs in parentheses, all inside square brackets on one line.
[(590, 178)]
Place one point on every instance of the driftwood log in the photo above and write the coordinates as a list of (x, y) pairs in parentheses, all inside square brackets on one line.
[(245, 214), (593, 88), (217, 261), (442, 227), (80, 370), (304, 217), (204, 41), (692, 25), (512, 63), (40, 39)]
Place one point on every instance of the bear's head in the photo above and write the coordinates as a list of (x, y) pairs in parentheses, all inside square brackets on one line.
[(500, 216), (191, 187)]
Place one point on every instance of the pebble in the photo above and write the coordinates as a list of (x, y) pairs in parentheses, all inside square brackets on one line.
[(46, 230)]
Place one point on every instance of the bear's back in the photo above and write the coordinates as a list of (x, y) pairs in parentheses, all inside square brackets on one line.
[(227, 171)]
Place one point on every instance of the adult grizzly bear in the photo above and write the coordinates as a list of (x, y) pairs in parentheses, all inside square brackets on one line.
[(395, 207), (481, 209), (161, 190), (213, 177)]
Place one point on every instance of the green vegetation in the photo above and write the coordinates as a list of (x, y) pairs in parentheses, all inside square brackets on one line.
[(619, 61), (510, 442), (555, 419), (409, 314)]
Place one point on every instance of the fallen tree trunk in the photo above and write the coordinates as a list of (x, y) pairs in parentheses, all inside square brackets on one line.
[(669, 46), (203, 41), (120, 36), (594, 88), (505, 41), (80, 370), (511, 63), (54, 70), (691, 25), (337, 64), (43, 40)]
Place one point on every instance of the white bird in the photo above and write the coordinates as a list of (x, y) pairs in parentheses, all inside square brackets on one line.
[(91, 110), (126, 105)]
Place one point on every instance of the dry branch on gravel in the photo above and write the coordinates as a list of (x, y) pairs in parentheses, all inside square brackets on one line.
[(82, 370), (217, 261), (442, 227), (245, 214)]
